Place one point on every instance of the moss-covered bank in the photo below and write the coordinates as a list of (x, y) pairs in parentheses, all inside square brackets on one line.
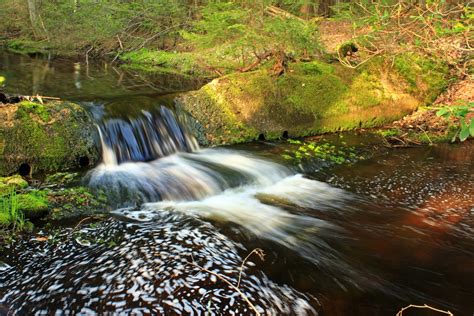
[(59, 197), (38, 137), (313, 98)]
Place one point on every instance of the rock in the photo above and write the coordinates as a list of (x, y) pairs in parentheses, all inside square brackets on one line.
[(311, 98), (54, 136), (13, 183)]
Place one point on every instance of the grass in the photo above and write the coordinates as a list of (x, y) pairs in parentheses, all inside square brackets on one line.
[(154, 60), (10, 214)]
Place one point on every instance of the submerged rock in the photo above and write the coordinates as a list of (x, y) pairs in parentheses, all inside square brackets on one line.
[(36, 137), (311, 98)]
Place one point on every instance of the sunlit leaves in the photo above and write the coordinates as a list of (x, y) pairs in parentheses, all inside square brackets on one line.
[(459, 113)]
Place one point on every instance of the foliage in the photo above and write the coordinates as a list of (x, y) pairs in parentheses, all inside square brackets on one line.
[(103, 26), (2, 80), (251, 36), (465, 127), (321, 151), (435, 28)]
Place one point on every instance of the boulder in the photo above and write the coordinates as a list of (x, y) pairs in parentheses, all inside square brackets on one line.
[(53, 136), (310, 98)]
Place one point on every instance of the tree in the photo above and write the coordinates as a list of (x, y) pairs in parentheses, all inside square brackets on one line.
[(232, 27), (35, 19)]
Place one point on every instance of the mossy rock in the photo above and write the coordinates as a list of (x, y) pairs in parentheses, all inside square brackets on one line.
[(45, 137), (13, 183), (309, 99), (76, 202), (33, 204)]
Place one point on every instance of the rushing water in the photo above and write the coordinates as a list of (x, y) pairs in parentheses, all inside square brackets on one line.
[(361, 239)]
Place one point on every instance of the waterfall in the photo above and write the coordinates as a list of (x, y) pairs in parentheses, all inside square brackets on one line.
[(153, 161), (148, 137), (155, 157)]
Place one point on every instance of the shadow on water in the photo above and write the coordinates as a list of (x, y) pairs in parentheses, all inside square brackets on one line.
[(360, 239)]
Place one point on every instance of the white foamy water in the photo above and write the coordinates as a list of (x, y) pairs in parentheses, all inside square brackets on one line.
[(184, 177), (264, 199)]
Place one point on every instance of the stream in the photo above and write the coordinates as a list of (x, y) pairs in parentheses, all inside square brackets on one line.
[(367, 238)]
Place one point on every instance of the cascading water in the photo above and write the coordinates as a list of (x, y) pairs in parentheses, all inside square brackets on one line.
[(151, 136), (218, 184)]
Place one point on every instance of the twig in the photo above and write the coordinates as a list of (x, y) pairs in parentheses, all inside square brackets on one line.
[(400, 313), (120, 42), (82, 221), (87, 55), (31, 97), (40, 98), (257, 251), (349, 65), (256, 63), (230, 284), (278, 12), (429, 139), (159, 34)]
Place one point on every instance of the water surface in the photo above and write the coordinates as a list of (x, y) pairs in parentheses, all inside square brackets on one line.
[(362, 239)]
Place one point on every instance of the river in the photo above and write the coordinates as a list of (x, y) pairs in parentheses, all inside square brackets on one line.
[(364, 238)]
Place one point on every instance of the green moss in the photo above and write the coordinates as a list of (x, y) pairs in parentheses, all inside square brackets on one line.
[(313, 68), (48, 137), (426, 76), (76, 201), (13, 183), (26, 47), (312, 95), (347, 47), (163, 61), (310, 98), (62, 178), (35, 108), (16, 181), (33, 204), (38, 135), (367, 90)]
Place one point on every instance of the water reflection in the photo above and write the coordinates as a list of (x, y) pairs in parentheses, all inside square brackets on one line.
[(99, 82)]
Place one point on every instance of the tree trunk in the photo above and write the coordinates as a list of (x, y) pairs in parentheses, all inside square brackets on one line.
[(307, 9), (35, 18)]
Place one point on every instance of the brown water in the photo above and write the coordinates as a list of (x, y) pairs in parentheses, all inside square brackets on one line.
[(360, 239)]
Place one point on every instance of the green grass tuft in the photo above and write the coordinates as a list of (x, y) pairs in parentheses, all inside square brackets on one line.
[(10, 214)]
